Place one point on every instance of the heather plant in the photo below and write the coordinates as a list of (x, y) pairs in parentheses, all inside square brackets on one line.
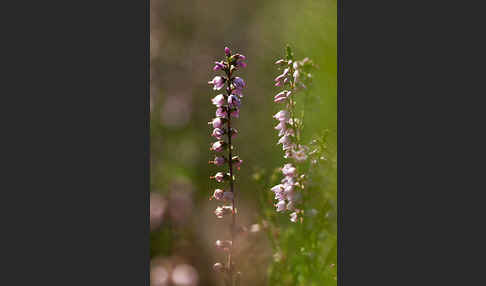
[(304, 244), (294, 78), (228, 107)]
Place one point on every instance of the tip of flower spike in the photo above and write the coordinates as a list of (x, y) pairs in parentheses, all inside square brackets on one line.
[(227, 51)]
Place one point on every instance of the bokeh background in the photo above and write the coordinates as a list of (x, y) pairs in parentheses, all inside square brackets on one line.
[(186, 37)]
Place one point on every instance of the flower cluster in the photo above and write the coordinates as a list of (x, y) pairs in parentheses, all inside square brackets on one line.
[(295, 77), (228, 105)]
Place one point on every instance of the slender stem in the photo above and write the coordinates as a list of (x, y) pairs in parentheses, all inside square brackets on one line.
[(292, 103), (230, 165)]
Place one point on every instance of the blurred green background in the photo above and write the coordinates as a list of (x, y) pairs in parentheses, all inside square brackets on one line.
[(186, 37)]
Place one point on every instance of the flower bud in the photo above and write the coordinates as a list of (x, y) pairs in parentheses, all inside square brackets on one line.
[(227, 51), (240, 57), (218, 66)]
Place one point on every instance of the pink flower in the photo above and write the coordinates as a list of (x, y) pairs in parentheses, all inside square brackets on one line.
[(280, 206), (234, 132), (218, 66), (288, 146), (240, 57), (300, 155), (227, 51), (293, 217), (219, 100), (281, 96), (218, 194), (235, 113), (279, 78), (296, 75), (277, 188), (218, 82), (218, 161), (237, 162), (241, 64), (279, 196), (282, 115), (223, 210), (239, 83), (221, 112), (234, 101), (219, 177), (280, 61), (217, 122), (288, 170), (218, 146), (290, 206), (218, 133), (284, 140)]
